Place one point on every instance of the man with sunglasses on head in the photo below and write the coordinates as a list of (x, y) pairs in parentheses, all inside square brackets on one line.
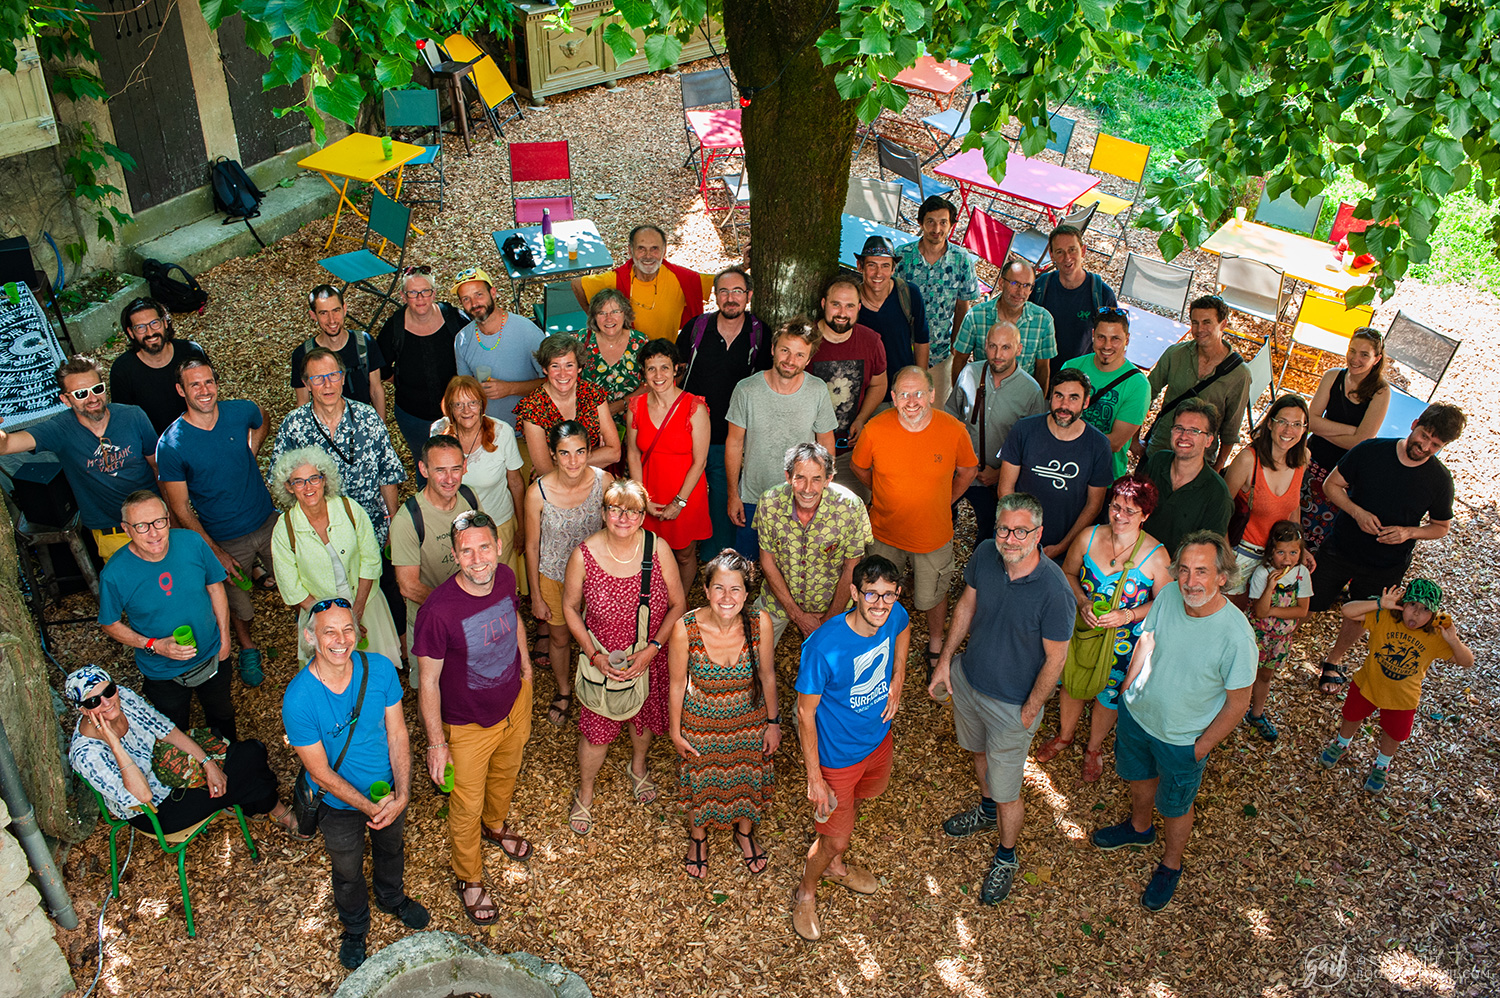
[(476, 702), (146, 374), (163, 580), (1013, 304), (1020, 609), (1118, 403), (361, 356), (107, 452), (342, 715)]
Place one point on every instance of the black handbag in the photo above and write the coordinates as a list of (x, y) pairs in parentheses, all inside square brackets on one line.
[(305, 800)]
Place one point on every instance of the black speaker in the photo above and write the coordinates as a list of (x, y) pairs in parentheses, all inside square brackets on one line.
[(15, 261), (42, 493)]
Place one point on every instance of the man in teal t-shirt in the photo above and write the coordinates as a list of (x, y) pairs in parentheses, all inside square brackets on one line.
[(1121, 393)]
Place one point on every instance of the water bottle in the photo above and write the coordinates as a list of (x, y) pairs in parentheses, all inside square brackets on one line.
[(549, 243)]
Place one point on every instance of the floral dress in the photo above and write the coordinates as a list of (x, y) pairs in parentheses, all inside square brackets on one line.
[(616, 380), (1099, 584), (539, 408), (609, 612)]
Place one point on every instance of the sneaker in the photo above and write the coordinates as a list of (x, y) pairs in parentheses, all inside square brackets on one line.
[(1332, 753), (1163, 885), (251, 673), (1375, 782), (410, 913), (352, 950), (1262, 725), (996, 886), (963, 825), (1122, 835)]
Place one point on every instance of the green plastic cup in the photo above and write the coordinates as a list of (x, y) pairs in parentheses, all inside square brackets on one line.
[(448, 778), (387, 148), (1101, 607), (242, 578), (184, 636), (364, 643), (379, 791)]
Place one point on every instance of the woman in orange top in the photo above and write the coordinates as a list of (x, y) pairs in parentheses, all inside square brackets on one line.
[(1268, 474)]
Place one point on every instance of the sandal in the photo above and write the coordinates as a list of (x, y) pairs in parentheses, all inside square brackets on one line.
[(580, 818), (510, 843), (1093, 765), (932, 660), (561, 713), (265, 581), (481, 904), (1333, 676), (642, 786), (287, 822), (756, 855), (1052, 749), (700, 863)]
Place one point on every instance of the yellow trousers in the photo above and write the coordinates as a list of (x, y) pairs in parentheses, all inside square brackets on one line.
[(485, 764)]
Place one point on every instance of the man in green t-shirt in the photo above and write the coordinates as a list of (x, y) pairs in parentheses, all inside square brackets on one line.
[(1121, 396)]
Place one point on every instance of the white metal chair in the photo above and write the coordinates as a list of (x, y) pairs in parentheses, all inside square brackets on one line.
[(877, 200), (1156, 284)]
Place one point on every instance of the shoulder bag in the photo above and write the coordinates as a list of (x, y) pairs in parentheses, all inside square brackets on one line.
[(618, 700), (305, 800), (1226, 366), (1091, 652)]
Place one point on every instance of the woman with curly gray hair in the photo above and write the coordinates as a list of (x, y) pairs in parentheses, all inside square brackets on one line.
[(324, 549)]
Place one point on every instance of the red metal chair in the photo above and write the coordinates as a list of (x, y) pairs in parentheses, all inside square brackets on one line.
[(539, 162), (988, 239), (1344, 223)]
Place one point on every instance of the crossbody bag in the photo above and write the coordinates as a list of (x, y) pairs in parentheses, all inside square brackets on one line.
[(305, 800)]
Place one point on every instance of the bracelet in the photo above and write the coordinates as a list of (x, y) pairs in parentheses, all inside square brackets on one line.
[(773, 720), (433, 745), (680, 502), (151, 646), (653, 641)]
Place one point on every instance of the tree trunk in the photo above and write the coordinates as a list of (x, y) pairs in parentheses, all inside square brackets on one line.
[(799, 135), (26, 702)]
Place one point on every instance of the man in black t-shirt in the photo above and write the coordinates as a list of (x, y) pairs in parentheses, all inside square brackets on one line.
[(146, 375), (1383, 488), (364, 363), (1071, 295), (719, 350)]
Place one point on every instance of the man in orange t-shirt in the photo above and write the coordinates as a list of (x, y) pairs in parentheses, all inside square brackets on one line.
[(916, 463)]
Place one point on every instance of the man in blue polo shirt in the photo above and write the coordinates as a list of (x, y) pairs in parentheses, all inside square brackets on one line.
[(209, 477)]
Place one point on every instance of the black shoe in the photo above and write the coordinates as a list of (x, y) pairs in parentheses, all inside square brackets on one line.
[(352, 950), (1161, 888), (996, 885), (411, 913)]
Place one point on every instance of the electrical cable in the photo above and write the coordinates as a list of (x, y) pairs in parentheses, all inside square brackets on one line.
[(99, 969)]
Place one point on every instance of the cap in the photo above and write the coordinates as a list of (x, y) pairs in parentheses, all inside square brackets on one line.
[(80, 681), (471, 274), (877, 246), (1423, 592)]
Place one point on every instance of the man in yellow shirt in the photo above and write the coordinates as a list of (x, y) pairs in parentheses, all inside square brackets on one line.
[(662, 306)]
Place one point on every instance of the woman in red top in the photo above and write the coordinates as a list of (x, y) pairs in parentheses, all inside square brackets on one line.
[(1268, 474), (565, 396), (666, 439)]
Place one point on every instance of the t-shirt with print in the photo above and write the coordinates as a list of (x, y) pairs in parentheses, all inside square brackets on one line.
[(158, 597), (943, 285), (475, 638), (1398, 495), (775, 423), (1059, 473), (848, 368), (312, 713), (434, 557), (1300, 581), (134, 382), (852, 675), (1072, 312), (898, 335), (509, 355), (101, 470), (1195, 663), (1128, 401), (1399, 658), (911, 485), (223, 481), (356, 381), (1012, 617), (714, 369)]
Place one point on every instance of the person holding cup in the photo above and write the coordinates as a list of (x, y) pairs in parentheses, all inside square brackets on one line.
[(166, 583)]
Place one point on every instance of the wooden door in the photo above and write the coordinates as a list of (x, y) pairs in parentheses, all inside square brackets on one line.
[(144, 63), (261, 134)]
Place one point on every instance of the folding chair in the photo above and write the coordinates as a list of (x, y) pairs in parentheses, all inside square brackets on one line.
[(1251, 287), (1286, 213), (877, 200), (1157, 285), (1126, 160), (419, 109), (989, 239), (1033, 244), (704, 88), (1324, 324), (1344, 223), (1418, 346), (432, 54), (737, 189), (1060, 131), (391, 222), (539, 162), (560, 306), (174, 844), (948, 128), (1259, 367), (493, 88), (915, 187)]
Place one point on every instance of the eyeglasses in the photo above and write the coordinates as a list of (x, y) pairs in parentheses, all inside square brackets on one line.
[(324, 604), (471, 518), (731, 292), (610, 311), (159, 523), (872, 597), (463, 405), (1298, 425), (302, 483), (323, 379), (1017, 285), (420, 268), (89, 703), (907, 396), (428, 293), (1019, 533), (82, 394), (145, 327), (1188, 431), (624, 513), (1115, 507)]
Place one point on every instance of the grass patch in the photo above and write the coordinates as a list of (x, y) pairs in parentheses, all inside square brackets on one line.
[(1165, 112)]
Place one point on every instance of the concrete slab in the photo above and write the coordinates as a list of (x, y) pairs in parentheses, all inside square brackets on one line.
[(442, 964), (209, 242)]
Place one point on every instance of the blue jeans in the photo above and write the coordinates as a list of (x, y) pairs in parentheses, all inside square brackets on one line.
[(725, 533), (746, 540), (415, 430)]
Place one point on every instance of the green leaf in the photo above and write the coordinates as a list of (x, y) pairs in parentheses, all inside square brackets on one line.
[(1096, 12), (874, 41), (851, 82), (214, 11), (913, 13), (392, 71), (1170, 245), (1249, 811), (340, 100), (619, 41), (636, 13), (662, 51), (720, 898)]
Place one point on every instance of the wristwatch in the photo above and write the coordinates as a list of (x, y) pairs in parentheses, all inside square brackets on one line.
[(680, 502)]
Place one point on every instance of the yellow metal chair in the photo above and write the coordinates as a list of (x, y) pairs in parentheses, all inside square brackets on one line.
[(1126, 160), (494, 89), (1324, 324)]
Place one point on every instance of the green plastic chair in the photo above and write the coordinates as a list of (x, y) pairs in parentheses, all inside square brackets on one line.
[(174, 844)]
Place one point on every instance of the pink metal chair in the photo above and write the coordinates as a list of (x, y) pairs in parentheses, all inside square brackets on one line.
[(540, 162), (988, 239)]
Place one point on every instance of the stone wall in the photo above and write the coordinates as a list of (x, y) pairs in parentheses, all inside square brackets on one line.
[(31, 964)]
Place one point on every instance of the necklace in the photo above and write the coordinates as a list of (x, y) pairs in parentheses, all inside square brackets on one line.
[(618, 560), (480, 334)]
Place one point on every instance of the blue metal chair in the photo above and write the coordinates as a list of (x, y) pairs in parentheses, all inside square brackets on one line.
[(418, 109), (390, 221), (1286, 213)]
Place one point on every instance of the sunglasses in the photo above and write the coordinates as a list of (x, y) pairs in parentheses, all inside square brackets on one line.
[(422, 269), (324, 604), (471, 518), (1106, 312), (89, 703), (82, 394)]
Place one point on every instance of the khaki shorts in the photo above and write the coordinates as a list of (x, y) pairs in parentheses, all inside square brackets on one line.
[(552, 595), (243, 550), (984, 724), (932, 572)]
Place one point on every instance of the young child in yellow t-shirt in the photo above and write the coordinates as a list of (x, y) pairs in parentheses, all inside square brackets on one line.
[(1406, 635)]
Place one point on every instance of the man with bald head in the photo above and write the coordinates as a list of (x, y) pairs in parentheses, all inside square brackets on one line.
[(1012, 304), (991, 396)]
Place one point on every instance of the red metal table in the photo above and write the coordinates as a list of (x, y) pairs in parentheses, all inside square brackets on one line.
[(940, 79), (719, 136), (1031, 183)]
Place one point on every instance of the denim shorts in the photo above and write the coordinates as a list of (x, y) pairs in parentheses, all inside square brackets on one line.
[(1141, 756)]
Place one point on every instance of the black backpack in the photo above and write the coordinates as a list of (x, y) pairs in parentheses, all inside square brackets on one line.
[(185, 295), (235, 194)]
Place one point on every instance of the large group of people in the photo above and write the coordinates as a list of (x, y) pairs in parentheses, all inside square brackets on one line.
[(588, 482)]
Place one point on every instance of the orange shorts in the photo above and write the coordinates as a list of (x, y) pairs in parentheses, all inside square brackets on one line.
[(864, 780)]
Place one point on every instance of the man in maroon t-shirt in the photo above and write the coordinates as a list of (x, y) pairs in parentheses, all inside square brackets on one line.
[(851, 358), (475, 699)]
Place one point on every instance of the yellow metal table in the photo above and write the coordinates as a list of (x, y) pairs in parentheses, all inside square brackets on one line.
[(359, 157), (1311, 261)]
